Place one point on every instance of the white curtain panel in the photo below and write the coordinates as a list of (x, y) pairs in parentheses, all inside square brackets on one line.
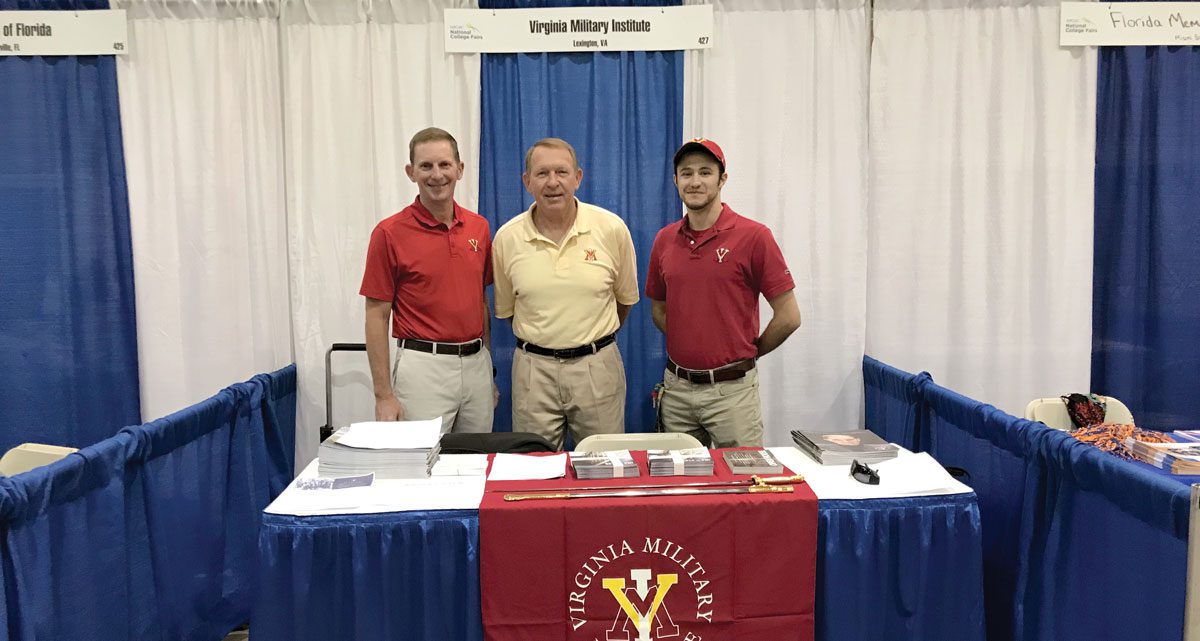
[(784, 92), (201, 119), (360, 78), (982, 155)]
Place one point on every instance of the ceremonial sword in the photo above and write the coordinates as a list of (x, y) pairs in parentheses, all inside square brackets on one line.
[(752, 481), (669, 491), (753, 485)]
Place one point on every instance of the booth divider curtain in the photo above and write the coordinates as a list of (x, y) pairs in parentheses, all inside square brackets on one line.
[(151, 533), (622, 111), (68, 347), (1146, 282), (359, 79), (982, 132), (202, 118), (799, 166)]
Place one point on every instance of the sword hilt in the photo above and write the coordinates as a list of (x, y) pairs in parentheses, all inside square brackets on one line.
[(545, 495), (777, 480), (769, 489)]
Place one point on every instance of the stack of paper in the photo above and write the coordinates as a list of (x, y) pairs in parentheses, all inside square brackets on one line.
[(1176, 458), (310, 495), (692, 462), (604, 465), (460, 465), (392, 450), (752, 462), (840, 448), (526, 467)]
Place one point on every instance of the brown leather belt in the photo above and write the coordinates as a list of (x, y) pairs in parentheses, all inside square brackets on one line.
[(730, 372), (569, 352), (450, 349)]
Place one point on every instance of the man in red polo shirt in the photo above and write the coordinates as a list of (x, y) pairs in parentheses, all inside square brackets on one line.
[(427, 267), (706, 273)]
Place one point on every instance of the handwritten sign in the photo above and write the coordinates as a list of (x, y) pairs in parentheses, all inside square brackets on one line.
[(1129, 23)]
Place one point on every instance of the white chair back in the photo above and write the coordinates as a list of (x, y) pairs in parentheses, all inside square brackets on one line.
[(27, 456), (637, 441), (1053, 412)]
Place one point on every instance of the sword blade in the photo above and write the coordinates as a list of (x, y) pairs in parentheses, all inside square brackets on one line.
[(674, 491), (769, 480)]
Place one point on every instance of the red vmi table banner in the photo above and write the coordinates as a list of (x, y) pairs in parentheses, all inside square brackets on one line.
[(659, 568)]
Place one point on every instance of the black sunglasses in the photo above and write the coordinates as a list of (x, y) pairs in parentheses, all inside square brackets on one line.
[(863, 474)]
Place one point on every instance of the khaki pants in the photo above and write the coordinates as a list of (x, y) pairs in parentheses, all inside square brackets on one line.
[(458, 389), (719, 415), (586, 394)]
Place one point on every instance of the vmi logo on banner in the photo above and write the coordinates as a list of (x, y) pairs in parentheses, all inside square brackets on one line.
[(578, 29), (648, 583)]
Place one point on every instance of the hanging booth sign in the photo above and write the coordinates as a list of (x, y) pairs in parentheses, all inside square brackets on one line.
[(1129, 23), (63, 33), (578, 29)]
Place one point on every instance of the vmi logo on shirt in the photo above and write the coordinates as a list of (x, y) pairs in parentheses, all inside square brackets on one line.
[(645, 585), (589, 255)]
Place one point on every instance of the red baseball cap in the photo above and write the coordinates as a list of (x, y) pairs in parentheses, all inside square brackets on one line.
[(701, 144)]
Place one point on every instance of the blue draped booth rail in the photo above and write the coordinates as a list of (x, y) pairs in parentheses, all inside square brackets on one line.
[(150, 534), (1077, 543)]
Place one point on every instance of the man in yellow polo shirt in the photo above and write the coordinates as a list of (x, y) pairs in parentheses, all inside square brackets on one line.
[(565, 277)]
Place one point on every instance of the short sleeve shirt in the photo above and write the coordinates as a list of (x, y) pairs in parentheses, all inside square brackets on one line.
[(711, 283), (566, 295), (433, 274)]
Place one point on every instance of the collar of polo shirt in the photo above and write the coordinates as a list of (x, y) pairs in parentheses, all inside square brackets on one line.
[(725, 221), (582, 222), (425, 217)]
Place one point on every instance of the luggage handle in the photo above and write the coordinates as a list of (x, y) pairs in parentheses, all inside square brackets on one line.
[(327, 429)]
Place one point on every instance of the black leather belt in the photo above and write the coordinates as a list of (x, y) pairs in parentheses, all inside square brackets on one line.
[(730, 372), (570, 352), (449, 349)]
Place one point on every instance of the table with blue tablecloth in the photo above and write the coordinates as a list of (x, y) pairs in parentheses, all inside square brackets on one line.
[(907, 568)]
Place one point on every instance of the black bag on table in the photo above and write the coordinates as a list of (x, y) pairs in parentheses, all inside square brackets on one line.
[(495, 442)]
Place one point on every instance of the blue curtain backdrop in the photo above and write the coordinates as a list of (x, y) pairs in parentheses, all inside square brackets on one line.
[(623, 113), (68, 347), (1146, 283)]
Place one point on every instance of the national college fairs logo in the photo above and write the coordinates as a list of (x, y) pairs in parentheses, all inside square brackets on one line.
[(650, 593)]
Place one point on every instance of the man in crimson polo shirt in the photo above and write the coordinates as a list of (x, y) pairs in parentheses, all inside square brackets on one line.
[(427, 267), (705, 276)]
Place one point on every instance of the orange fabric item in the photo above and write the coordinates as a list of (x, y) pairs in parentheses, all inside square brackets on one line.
[(1110, 437)]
